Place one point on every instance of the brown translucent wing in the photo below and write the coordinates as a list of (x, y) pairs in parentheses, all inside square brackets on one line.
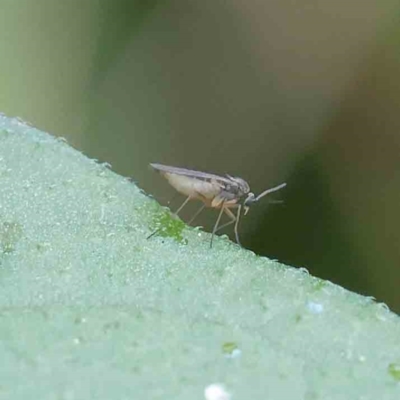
[(193, 174)]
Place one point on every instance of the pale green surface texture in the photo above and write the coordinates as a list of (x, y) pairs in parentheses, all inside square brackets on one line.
[(90, 309)]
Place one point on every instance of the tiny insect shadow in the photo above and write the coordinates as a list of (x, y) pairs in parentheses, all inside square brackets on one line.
[(225, 193)]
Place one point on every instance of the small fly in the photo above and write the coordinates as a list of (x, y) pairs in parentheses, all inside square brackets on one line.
[(226, 193)]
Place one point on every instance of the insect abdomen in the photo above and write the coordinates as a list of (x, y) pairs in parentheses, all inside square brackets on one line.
[(195, 188)]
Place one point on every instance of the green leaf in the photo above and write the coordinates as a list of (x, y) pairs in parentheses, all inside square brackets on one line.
[(92, 309)]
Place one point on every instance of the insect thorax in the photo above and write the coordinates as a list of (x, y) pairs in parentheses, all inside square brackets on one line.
[(239, 187)]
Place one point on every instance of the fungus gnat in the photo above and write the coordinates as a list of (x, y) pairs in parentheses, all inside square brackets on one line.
[(214, 191)]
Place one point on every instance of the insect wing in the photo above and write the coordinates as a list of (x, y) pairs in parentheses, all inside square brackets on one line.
[(231, 186), (190, 173), (191, 183)]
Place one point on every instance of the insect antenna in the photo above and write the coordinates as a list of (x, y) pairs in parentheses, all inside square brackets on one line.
[(274, 201), (265, 192)]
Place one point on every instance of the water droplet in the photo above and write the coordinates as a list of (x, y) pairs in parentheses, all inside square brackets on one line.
[(304, 271), (315, 308), (77, 340), (79, 320), (384, 306), (216, 391), (382, 311)]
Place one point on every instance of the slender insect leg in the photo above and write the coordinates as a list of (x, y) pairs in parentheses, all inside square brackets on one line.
[(175, 214), (232, 221), (216, 224), (237, 224), (197, 214), (225, 225), (183, 205), (235, 219)]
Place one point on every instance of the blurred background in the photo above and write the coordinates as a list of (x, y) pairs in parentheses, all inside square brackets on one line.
[(306, 93)]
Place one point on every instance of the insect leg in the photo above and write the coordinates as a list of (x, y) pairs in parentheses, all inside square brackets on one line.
[(234, 219), (175, 214), (196, 214), (216, 224), (225, 225), (231, 216), (183, 205), (237, 224)]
